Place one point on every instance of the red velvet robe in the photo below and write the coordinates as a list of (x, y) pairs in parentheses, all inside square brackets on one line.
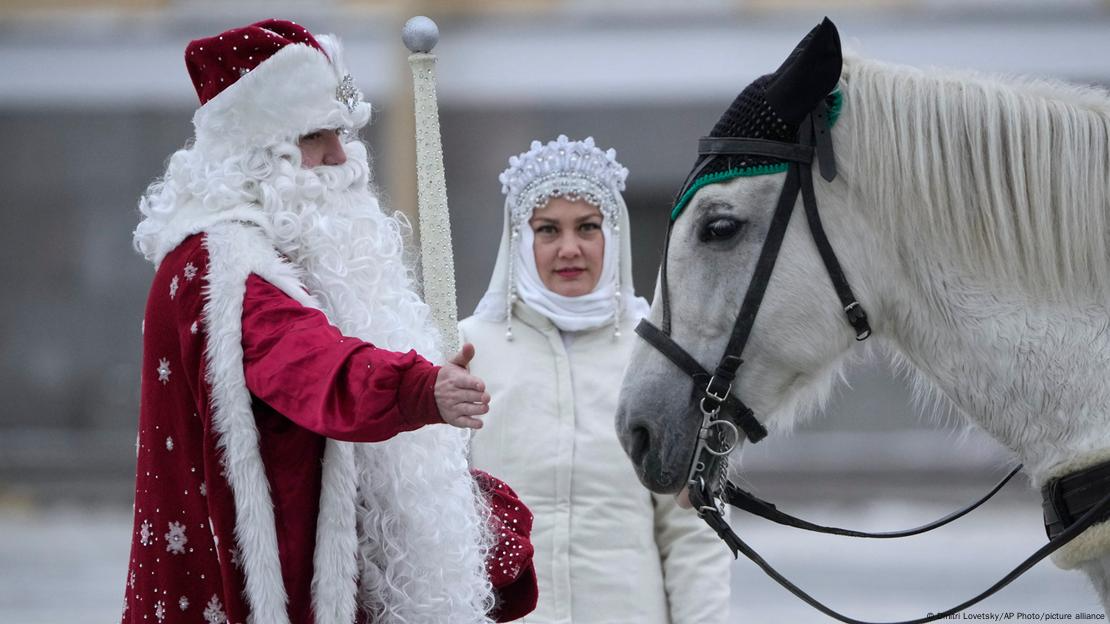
[(307, 382)]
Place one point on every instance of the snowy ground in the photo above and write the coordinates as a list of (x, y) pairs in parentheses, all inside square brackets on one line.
[(66, 563)]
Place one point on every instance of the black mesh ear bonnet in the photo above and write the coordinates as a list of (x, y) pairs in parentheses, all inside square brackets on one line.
[(752, 116), (749, 117)]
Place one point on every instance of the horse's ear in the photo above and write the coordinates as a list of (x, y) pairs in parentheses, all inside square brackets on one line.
[(808, 74)]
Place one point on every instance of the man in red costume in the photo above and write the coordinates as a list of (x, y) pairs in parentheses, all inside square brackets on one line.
[(293, 461)]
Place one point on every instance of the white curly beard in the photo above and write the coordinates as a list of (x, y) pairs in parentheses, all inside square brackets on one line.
[(421, 528)]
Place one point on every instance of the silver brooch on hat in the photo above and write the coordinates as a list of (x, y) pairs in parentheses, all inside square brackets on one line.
[(348, 93)]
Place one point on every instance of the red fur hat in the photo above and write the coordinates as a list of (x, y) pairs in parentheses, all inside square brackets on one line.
[(215, 63), (269, 82)]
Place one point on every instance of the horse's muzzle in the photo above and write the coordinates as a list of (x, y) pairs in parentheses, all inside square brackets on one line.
[(656, 469)]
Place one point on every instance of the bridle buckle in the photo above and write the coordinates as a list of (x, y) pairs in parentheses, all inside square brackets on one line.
[(857, 318), (719, 397)]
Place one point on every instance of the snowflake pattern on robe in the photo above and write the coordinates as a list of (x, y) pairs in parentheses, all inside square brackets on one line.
[(193, 328), (173, 287), (163, 371), (183, 602), (214, 612), (169, 443), (203, 489), (160, 610), (146, 538), (175, 538), (190, 272)]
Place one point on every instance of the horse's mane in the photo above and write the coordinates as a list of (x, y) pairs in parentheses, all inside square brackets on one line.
[(1008, 176)]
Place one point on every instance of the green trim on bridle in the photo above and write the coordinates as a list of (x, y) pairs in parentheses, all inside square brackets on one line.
[(721, 176), (835, 108), (747, 172)]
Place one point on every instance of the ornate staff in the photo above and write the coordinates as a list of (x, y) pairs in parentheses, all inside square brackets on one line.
[(420, 35)]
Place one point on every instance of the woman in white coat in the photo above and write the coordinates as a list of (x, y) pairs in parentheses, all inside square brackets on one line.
[(553, 335)]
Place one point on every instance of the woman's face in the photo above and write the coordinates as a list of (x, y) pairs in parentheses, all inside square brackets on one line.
[(569, 246)]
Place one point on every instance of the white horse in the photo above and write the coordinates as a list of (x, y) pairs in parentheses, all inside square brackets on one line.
[(971, 215)]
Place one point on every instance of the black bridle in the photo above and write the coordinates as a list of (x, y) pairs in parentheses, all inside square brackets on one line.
[(724, 415)]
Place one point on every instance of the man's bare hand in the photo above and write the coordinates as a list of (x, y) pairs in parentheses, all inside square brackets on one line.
[(460, 396)]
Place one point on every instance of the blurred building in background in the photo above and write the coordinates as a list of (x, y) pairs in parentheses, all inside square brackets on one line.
[(94, 97)]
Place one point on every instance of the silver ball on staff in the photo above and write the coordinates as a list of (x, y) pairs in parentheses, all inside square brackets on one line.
[(420, 34)]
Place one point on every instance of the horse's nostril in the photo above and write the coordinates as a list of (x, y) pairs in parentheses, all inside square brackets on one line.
[(641, 442)]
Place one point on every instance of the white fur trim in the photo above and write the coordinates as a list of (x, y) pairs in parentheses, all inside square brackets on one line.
[(235, 251), (335, 561), (289, 95), (1095, 541), (193, 218), (1074, 465), (1087, 546)]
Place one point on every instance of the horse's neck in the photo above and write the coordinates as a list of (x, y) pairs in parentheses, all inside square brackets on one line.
[(1033, 376)]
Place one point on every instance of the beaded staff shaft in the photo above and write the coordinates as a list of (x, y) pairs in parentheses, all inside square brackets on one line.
[(420, 35)]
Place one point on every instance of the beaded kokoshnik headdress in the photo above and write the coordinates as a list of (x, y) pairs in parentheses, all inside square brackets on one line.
[(575, 170)]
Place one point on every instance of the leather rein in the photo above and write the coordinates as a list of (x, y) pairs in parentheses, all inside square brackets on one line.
[(725, 416)]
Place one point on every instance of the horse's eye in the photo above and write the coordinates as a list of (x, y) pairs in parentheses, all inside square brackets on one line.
[(720, 229)]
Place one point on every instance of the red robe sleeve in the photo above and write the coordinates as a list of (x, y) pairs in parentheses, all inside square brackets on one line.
[(510, 567), (336, 386)]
